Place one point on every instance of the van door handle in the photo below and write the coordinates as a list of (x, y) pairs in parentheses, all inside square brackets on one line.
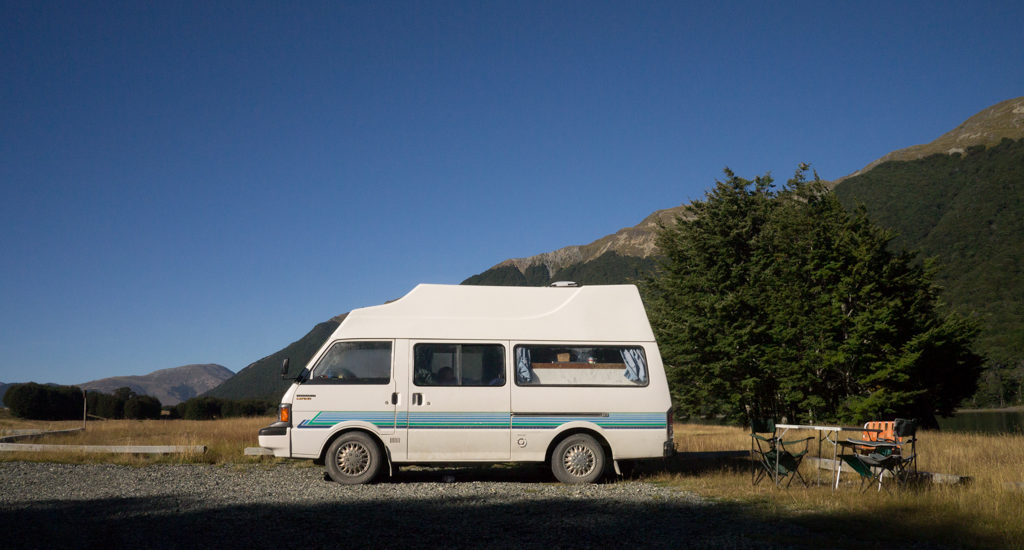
[(394, 398), (417, 399)]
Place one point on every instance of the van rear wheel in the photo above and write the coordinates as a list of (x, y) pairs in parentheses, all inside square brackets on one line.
[(578, 459), (354, 458)]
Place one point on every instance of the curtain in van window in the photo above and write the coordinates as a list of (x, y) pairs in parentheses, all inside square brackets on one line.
[(524, 373), (636, 367)]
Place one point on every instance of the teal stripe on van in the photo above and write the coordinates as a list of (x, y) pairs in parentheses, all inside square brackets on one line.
[(485, 420), (459, 420), (380, 419), (612, 421)]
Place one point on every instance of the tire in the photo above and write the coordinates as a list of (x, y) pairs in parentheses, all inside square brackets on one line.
[(578, 459), (353, 459)]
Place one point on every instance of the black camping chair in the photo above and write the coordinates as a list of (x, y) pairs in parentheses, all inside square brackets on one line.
[(773, 458)]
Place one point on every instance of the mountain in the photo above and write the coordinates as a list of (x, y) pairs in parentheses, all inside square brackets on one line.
[(262, 379), (3, 390), (988, 128), (960, 199), (957, 198), (170, 386), (626, 255)]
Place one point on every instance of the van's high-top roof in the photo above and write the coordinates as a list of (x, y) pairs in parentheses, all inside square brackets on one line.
[(464, 312)]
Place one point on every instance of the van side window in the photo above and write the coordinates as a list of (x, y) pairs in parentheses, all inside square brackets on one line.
[(459, 365), (354, 363), (580, 366)]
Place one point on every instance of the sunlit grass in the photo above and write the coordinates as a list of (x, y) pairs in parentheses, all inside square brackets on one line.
[(987, 512), (225, 440)]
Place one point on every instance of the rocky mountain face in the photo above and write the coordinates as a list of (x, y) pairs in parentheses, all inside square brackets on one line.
[(170, 386)]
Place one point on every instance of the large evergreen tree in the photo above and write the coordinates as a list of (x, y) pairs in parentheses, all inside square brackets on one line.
[(780, 303)]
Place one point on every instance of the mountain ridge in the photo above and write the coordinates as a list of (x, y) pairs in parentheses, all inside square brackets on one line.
[(171, 386), (635, 241), (987, 127)]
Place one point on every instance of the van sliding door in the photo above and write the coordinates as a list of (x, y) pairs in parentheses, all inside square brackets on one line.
[(459, 402)]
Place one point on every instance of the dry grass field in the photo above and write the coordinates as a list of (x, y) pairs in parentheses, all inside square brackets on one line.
[(988, 512), (225, 440)]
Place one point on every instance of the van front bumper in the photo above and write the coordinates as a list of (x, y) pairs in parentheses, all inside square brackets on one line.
[(275, 437)]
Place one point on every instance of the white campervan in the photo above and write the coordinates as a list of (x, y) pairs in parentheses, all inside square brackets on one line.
[(448, 373)]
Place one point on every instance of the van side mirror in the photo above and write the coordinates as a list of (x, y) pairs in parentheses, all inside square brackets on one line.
[(284, 368)]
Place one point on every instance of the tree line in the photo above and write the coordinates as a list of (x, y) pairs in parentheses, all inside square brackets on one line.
[(52, 402)]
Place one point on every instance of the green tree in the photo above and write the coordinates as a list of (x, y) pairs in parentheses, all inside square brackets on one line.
[(44, 402), (142, 407), (105, 405), (201, 408), (780, 303)]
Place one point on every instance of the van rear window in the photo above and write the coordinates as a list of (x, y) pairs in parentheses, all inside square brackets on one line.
[(354, 363), (547, 365)]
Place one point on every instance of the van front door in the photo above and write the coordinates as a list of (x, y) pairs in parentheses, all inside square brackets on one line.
[(459, 402), (351, 383)]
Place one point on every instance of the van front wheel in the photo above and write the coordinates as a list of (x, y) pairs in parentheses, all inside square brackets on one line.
[(353, 459), (578, 459)]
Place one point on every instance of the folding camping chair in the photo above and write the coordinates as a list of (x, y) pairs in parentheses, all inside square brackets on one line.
[(771, 457), (892, 450)]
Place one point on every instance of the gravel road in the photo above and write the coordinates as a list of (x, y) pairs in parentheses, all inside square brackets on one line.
[(288, 505)]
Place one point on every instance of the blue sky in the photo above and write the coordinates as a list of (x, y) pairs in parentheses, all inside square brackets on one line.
[(204, 182)]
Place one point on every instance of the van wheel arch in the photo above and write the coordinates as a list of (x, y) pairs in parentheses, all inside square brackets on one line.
[(381, 447)]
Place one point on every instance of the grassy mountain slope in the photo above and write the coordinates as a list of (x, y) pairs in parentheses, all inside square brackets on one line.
[(968, 211), (262, 379)]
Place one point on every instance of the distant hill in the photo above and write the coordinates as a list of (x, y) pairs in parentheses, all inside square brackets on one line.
[(3, 390), (262, 379), (170, 386)]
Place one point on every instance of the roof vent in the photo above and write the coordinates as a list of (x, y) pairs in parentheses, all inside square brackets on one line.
[(565, 284)]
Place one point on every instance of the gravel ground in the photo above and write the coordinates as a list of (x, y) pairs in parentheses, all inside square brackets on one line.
[(287, 505)]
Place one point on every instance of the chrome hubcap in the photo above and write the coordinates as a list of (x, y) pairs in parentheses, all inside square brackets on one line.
[(578, 460), (353, 459)]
